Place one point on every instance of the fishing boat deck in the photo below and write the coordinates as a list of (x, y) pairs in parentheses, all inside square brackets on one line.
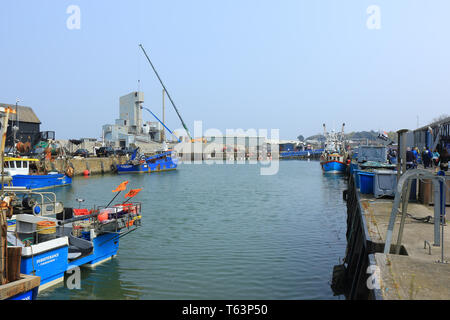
[(419, 274)]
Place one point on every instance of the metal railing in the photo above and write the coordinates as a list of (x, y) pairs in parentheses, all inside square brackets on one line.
[(402, 196), (47, 204)]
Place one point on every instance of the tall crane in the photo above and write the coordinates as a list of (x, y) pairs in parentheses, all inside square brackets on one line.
[(168, 95)]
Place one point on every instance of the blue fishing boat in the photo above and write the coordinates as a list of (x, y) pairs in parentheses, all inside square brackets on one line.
[(333, 163), (334, 156), (55, 239), (156, 163), (24, 173)]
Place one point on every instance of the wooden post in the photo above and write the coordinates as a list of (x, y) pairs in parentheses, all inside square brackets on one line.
[(3, 248), (3, 211), (14, 257)]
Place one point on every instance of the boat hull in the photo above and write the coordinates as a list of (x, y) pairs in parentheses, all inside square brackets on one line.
[(130, 168), (39, 182), (52, 258), (47, 260), (333, 166), (148, 167)]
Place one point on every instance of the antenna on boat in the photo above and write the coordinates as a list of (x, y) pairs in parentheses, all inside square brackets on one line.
[(16, 126), (168, 95)]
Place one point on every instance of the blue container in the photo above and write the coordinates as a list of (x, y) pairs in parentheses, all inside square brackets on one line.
[(366, 182)]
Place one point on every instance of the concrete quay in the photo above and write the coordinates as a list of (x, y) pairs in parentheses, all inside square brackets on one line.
[(417, 272), (421, 269)]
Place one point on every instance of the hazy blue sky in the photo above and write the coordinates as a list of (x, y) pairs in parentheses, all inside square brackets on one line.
[(290, 64)]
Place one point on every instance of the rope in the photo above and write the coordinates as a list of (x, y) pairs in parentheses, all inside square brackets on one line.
[(426, 219)]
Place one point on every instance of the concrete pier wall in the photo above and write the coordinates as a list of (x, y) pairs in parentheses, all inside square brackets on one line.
[(79, 165), (359, 263)]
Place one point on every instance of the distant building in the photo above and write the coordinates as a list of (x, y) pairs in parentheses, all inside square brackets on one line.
[(130, 128), (28, 126), (291, 145), (436, 134), (237, 140)]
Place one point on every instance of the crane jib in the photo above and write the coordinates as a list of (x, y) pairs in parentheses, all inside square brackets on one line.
[(168, 95)]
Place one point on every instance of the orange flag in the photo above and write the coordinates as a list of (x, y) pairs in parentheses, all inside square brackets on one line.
[(132, 193), (121, 186)]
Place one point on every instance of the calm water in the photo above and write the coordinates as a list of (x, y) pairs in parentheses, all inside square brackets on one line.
[(220, 232)]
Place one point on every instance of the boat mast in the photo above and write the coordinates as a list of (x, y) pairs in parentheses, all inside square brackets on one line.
[(16, 127), (4, 128)]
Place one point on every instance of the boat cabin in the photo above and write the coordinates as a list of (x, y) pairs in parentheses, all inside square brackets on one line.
[(334, 157), (16, 166)]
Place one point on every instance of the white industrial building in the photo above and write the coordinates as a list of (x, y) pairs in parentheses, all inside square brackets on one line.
[(130, 128)]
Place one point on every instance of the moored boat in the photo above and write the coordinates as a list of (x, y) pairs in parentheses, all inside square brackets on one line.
[(334, 157), (24, 173), (156, 163), (333, 163), (55, 239)]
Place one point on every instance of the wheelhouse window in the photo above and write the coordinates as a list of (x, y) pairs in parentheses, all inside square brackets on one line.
[(18, 164)]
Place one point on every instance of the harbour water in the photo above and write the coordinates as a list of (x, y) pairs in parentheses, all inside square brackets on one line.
[(220, 232)]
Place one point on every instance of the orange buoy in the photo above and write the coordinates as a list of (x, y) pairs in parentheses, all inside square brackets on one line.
[(103, 216), (86, 172)]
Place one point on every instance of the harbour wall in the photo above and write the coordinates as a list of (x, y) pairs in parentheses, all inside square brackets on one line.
[(351, 278), (79, 165)]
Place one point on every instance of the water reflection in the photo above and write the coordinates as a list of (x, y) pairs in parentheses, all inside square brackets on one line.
[(220, 232), (105, 281)]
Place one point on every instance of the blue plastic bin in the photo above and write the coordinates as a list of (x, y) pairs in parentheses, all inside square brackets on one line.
[(366, 182)]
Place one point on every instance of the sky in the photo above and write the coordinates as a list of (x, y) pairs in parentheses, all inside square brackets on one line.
[(290, 65)]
